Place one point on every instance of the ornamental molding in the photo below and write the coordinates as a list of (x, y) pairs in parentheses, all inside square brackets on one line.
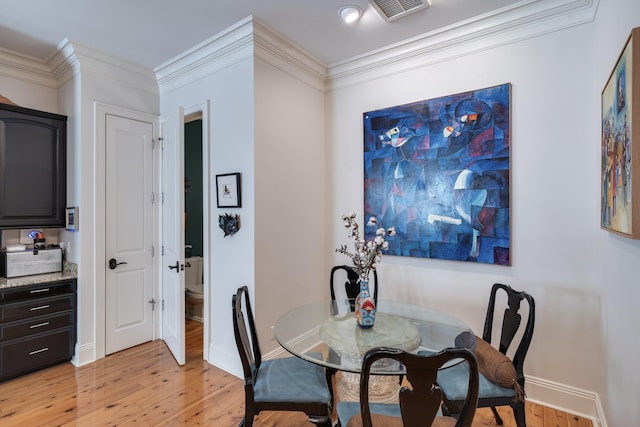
[(520, 21), (21, 67)]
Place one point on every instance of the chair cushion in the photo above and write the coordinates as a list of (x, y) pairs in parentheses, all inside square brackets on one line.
[(291, 379), (454, 382), (379, 420)]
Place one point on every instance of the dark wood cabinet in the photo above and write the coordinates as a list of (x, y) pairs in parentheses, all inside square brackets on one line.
[(32, 168), (37, 326)]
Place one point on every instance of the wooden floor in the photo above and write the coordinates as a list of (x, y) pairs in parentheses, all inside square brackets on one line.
[(144, 386)]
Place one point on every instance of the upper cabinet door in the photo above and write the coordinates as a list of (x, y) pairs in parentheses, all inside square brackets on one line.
[(32, 168)]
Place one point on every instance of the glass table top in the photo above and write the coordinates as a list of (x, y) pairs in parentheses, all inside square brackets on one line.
[(326, 333)]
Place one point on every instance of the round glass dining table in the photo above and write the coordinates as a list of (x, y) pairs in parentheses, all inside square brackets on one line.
[(326, 333)]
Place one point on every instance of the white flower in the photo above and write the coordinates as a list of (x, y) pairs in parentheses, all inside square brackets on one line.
[(366, 253)]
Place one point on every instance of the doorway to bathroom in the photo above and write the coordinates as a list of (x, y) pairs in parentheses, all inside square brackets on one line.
[(193, 221)]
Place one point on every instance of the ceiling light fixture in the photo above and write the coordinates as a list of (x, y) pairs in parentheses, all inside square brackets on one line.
[(350, 14)]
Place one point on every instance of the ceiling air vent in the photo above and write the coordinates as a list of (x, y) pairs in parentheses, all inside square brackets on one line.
[(395, 9)]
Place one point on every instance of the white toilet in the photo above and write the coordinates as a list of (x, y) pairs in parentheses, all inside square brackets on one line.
[(194, 288)]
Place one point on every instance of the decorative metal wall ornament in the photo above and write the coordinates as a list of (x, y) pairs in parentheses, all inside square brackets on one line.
[(229, 223)]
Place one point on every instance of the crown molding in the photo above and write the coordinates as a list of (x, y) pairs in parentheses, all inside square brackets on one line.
[(25, 68), (233, 45), (72, 58), (247, 39), (517, 22), (274, 49), (64, 62)]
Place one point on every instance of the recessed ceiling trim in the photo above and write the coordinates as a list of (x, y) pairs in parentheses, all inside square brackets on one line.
[(391, 10)]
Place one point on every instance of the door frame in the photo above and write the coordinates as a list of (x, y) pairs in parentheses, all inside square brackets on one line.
[(207, 220), (101, 110)]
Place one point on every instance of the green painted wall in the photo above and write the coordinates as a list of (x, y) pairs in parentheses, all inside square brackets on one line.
[(193, 180)]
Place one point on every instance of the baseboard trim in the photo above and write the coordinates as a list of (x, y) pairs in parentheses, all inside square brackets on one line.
[(566, 398), (85, 354), (227, 361)]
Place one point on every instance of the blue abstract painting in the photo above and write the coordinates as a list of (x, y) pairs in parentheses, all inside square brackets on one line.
[(438, 171)]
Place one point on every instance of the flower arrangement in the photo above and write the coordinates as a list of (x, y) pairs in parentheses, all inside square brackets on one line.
[(367, 252)]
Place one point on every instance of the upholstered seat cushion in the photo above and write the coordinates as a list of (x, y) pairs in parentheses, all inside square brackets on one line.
[(291, 379), (454, 382)]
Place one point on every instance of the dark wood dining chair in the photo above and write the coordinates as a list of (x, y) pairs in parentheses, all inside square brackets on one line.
[(351, 285), (419, 400), (284, 384), (491, 393), (351, 290)]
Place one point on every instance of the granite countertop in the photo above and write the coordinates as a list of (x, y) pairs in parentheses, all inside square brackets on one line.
[(69, 271)]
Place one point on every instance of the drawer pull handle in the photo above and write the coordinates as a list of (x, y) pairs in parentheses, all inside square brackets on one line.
[(39, 325), (31, 353), (36, 291), (42, 307)]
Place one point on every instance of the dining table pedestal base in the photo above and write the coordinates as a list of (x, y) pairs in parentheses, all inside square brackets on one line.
[(350, 342), (382, 388)]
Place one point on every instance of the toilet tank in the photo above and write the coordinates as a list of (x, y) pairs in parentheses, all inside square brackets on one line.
[(193, 273)]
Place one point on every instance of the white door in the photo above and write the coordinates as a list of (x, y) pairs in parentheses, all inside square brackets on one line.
[(129, 233), (172, 263)]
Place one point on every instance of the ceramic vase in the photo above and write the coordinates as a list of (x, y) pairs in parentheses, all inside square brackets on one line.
[(365, 308)]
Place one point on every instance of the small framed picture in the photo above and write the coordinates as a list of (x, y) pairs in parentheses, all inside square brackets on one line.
[(72, 219), (228, 194)]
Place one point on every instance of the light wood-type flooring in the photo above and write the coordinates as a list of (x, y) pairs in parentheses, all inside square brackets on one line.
[(143, 386)]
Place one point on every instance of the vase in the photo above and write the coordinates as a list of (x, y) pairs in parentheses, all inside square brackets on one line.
[(365, 308)]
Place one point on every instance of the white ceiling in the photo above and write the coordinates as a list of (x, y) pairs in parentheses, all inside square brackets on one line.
[(152, 32)]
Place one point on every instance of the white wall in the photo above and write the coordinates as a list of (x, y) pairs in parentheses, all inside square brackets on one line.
[(73, 80), (266, 122), (87, 77), (616, 257), (559, 253), (226, 84), (290, 196), (27, 82)]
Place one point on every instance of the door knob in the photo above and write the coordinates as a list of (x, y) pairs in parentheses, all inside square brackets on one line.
[(113, 263), (177, 267)]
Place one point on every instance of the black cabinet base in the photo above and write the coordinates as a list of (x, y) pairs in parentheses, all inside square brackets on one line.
[(21, 356), (37, 326)]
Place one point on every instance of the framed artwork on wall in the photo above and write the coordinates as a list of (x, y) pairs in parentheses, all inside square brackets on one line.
[(620, 140), (439, 172), (71, 219), (228, 190)]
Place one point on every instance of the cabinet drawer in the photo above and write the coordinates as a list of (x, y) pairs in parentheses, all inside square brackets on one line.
[(25, 355), (36, 325), (36, 307), (36, 291)]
